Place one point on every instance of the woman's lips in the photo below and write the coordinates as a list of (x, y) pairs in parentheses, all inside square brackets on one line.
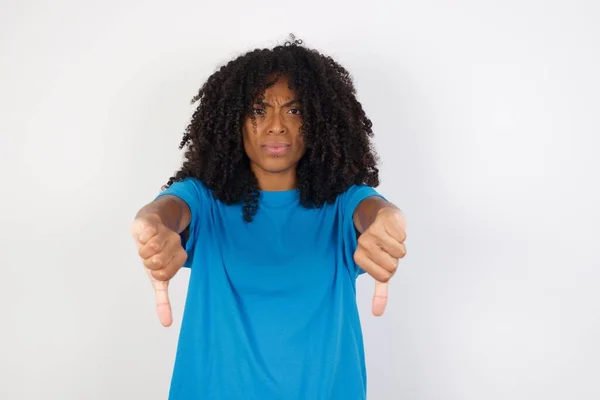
[(276, 148)]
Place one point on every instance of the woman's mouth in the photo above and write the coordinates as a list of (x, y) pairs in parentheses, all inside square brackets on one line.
[(276, 148)]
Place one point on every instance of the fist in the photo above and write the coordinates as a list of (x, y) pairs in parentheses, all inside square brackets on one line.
[(162, 255), (379, 250)]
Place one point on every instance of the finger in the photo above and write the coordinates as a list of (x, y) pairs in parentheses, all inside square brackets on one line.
[(175, 257), (158, 261), (371, 267), (168, 271), (391, 246), (142, 230), (383, 259), (165, 256), (372, 248), (153, 246), (163, 305), (172, 246), (380, 298)]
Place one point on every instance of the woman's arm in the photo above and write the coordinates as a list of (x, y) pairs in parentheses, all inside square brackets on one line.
[(173, 212), (367, 211)]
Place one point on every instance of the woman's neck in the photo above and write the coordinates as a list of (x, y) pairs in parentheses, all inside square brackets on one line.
[(275, 181)]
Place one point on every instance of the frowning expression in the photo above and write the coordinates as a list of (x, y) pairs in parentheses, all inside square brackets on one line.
[(272, 134)]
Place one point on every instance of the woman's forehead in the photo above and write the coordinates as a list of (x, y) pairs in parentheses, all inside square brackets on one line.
[(278, 87)]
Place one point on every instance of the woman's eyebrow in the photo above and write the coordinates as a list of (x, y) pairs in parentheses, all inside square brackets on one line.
[(289, 103)]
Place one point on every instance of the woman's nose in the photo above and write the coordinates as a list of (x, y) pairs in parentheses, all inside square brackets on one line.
[(276, 126)]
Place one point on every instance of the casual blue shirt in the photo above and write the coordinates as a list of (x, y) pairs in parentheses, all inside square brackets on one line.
[(271, 308)]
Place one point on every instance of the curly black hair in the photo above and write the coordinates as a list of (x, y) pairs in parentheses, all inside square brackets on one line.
[(336, 132)]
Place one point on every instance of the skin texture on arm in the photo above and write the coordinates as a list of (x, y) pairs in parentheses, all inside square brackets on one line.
[(173, 212), (367, 211)]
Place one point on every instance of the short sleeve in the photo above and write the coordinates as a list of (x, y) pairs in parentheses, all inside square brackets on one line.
[(348, 202), (196, 196)]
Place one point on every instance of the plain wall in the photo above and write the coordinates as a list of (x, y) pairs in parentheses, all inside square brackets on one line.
[(486, 116)]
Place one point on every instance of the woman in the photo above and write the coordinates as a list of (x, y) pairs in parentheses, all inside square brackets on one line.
[(275, 213)]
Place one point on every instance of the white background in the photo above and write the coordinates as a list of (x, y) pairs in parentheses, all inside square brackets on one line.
[(486, 116)]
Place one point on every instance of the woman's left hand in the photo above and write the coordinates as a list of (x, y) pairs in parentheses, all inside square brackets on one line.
[(379, 250)]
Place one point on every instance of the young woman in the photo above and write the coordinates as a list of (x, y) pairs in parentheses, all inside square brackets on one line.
[(275, 212)]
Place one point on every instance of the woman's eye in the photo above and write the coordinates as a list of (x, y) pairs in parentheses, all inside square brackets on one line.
[(296, 111), (258, 111)]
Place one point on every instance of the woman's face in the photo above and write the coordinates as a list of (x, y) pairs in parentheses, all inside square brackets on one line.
[(275, 145)]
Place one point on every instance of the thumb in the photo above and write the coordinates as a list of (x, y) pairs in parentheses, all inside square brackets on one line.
[(163, 304), (380, 298)]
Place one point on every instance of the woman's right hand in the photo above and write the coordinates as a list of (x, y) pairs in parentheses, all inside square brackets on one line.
[(162, 254)]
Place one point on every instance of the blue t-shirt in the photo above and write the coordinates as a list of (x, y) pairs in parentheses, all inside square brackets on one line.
[(271, 308)]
